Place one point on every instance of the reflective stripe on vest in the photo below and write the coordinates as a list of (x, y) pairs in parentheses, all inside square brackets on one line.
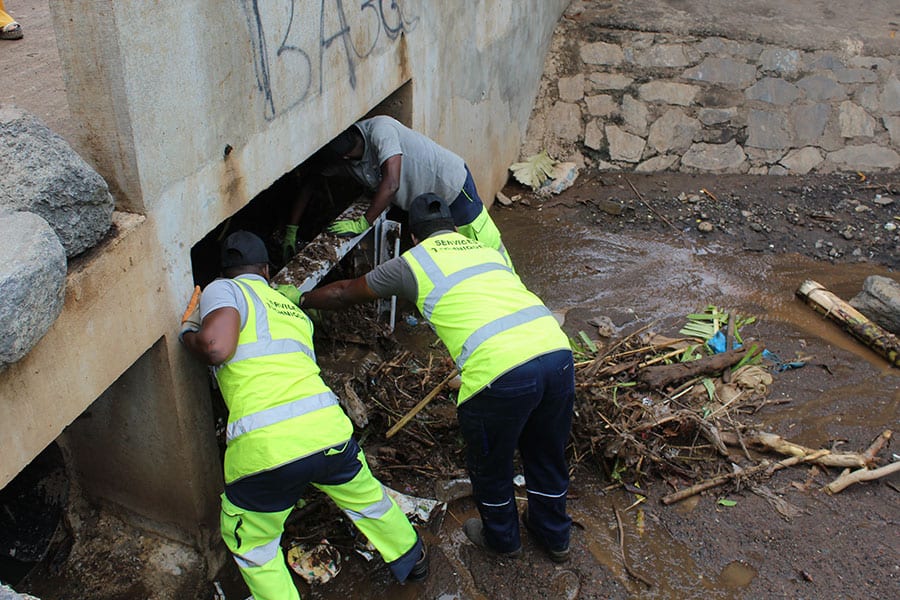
[(444, 283), (259, 555), (491, 329), (277, 414), (264, 344), (279, 409), (373, 511)]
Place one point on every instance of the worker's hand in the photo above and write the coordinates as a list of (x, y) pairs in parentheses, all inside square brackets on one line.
[(290, 292), (289, 244), (349, 226), (190, 320)]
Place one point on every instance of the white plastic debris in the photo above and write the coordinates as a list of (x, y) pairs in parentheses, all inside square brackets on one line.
[(418, 509), (315, 563), (563, 176)]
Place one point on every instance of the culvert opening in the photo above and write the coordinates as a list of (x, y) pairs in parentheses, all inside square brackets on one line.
[(268, 213), (331, 194), (32, 515), (330, 191)]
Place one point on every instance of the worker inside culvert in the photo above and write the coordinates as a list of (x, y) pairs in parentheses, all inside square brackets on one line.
[(396, 164), (285, 429), (517, 374)]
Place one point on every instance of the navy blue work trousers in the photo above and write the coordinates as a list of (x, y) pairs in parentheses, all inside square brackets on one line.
[(529, 408)]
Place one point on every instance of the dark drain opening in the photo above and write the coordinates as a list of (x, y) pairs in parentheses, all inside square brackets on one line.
[(267, 214), (32, 509)]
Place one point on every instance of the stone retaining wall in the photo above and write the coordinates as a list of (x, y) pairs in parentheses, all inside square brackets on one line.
[(628, 100)]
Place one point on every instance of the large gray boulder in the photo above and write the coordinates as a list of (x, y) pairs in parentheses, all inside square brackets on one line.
[(43, 175), (879, 300), (32, 282)]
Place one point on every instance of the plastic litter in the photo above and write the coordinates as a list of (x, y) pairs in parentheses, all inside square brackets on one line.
[(717, 344), (416, 509), (315, 563), (563, 176)]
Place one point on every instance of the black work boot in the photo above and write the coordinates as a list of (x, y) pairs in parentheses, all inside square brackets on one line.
[(557, 556), (474, 530), (420, 569)]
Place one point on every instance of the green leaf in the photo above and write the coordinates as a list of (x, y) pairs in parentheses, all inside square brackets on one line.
[(750, 358), (726, 502), (587, 341), (710, 388)]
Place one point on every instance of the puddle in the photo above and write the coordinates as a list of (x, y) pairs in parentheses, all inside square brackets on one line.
[(651, 552), (736, 575)]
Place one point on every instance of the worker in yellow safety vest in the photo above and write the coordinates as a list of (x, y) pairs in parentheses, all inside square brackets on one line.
[(285, 429), (517, 375)]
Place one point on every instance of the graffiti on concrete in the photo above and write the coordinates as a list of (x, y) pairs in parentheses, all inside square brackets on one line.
[(291, 55)]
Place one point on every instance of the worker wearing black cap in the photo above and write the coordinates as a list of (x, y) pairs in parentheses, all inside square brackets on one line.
[(397, 164), (286, 429), (517, 375)]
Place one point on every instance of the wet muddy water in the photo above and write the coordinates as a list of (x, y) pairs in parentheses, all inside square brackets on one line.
[(582, 271)]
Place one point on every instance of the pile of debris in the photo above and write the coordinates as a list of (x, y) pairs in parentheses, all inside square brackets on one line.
[(646, 405), (651, 404)]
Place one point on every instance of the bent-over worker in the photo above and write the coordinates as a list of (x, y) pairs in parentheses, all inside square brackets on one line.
[(397, 164), (517, 375), (285, 429)]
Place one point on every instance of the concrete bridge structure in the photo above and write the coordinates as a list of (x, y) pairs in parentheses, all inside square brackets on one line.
[(189, 110)]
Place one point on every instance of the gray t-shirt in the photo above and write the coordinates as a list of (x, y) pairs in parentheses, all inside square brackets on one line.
[(426, 167), (223, 293), (395, 278)]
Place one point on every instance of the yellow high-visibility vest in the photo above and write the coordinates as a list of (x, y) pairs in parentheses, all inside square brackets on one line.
[(487, 319), (279, 409)]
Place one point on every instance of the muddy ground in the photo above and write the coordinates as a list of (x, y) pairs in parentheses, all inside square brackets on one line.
[(605, 248), (638, 256), (842, 217)]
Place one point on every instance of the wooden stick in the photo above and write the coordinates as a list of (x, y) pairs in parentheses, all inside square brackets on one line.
[(729, 335), (776, 443), (875, 448), (850, 477), (719, 480), (854, 322), (422, 404), (647, 204), (659, 376), (628, 568)]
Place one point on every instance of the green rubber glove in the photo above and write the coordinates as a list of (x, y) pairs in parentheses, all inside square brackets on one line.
[(290, 292), (289, 244), (349, 226)]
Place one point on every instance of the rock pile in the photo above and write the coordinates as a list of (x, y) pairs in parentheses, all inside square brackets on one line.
[(52, 206)]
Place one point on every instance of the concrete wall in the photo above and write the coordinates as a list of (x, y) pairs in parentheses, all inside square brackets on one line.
[(188, 120)]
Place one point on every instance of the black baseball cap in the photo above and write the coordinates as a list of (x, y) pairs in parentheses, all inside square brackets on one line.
[(243, 248), (428, 207), (345, 141)]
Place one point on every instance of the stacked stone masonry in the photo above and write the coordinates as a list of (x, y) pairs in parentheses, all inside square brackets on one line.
[(654, 102)]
